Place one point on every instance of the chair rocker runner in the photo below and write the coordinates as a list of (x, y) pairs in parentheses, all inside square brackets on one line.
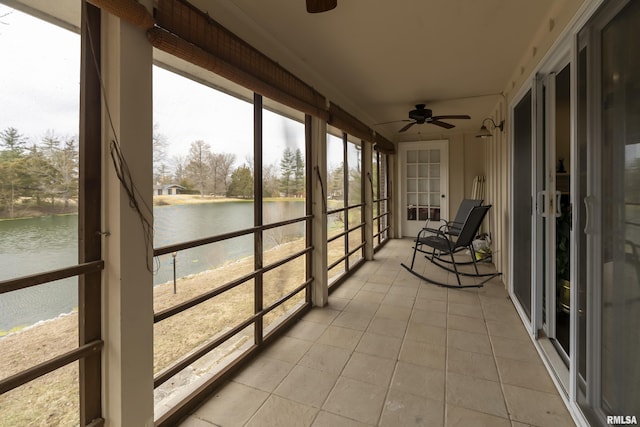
[(446, 243)]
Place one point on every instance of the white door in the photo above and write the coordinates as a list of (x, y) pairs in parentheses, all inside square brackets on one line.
[(424, 184)]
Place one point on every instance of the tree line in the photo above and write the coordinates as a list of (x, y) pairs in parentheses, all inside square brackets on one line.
[(41, 176), (207, 173)]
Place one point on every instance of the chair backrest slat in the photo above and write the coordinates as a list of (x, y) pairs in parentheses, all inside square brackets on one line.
[(471, 225), (465, 207)]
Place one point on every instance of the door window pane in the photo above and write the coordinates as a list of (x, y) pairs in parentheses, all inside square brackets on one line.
[(621, 213)]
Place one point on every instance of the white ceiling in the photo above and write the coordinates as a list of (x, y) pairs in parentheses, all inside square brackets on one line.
[(377, 58)]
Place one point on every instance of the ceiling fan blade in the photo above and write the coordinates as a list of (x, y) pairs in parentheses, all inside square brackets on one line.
[(459, 116), (406, 127), (442, 124), (318, 6), (393, 121)]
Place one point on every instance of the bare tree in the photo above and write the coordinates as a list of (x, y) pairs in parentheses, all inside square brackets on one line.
[(199, 166), (224, 163), (160, 166)]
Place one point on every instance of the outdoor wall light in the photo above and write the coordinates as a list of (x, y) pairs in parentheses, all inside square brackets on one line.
[(486, 133)]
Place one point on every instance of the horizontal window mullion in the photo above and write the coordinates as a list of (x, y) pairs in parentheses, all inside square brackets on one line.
[(286, 297), (356, 227), (215, 239), (337, 236), (336, 262), (176, 309), (179, 308), (204, 241), (172, 370), (50, 276), (287, 222), (335, 211), (51, 365)]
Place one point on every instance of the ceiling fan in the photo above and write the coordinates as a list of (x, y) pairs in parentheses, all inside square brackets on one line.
[(422, 115), (318, 6)]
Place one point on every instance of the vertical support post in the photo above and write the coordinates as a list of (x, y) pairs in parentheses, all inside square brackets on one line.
[(346, 195), (367, 173), (309, 198), (128, 329), (89, 213), (257, 214), (320, 289)]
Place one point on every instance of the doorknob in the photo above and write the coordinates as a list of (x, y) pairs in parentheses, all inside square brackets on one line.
[(442, 195)]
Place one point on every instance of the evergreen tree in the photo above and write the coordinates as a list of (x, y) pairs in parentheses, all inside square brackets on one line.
[(241, 184), (287, 172), (299, 174), (13, 143)]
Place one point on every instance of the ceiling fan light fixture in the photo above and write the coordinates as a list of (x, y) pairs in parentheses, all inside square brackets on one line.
[(318, 6), (484, 132)]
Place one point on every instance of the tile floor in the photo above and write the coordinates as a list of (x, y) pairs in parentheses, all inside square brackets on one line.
[(392, 350)]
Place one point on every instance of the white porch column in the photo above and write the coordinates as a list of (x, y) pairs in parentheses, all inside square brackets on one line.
[(320, 289), (128, 284)]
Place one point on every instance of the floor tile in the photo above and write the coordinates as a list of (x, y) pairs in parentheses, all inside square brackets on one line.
[(426, 333), (340, 337), (514, 349), (307, 386), (358, 321), (356, 400), (548, 410), (419, 380), (466, 324), (467, 341), (473, 364), (389, 327), (232, 405), (379, 345), (393, 312), (322, 315), (369, 369), (376, 287), (264, 373), (327, 358), (430, 305), (287, 349), (457, 416), (405, 409), (420, 353), (468, 310), (327, 419), (409, 290), (368, 297), (531, 375), (279, 412), (306, 330), (430, 317), (476, 394), (398, 300), (193, 421), (507, 330)]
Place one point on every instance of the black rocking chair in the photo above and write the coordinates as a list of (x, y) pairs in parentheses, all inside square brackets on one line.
[(444, 242), (453, 227)]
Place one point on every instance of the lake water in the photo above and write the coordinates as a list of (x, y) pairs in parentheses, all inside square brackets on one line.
[(35, 245)]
